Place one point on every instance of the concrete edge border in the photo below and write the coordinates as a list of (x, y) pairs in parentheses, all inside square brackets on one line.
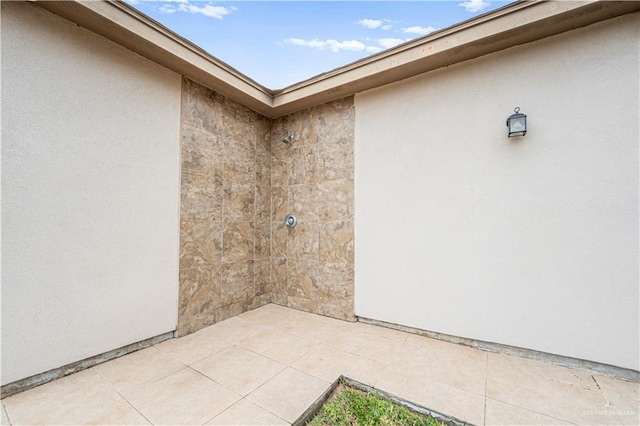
[(313, 409), (48, 376), (564, 361)]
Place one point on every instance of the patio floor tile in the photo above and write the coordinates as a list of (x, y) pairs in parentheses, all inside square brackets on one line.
[(4, 420), (278, 346), (245, 412), (328, 364), (289, 393), (139, 367), (233, 330), (618, 393), (446, 363), (281, 360), (194, 347), (238, 369), (560, 392), (436, 396), (183, 398), (323, 362), (500, 413), (82, 398)]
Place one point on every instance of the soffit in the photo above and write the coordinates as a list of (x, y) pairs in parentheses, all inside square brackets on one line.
[(514, 24)]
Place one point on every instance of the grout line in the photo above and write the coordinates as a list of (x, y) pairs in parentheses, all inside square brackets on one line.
[(6, 412), (122, 396)]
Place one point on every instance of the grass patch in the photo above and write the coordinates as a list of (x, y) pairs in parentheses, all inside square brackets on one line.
[(351, 407)]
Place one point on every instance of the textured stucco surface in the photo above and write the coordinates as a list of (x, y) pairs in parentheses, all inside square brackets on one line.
[(312, 177), (530, 242), (225, 204), (90, 192)]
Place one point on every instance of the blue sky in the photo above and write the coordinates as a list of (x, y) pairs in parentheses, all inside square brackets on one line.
[(279, 43)]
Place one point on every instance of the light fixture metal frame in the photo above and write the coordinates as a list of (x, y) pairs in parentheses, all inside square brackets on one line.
[(516, 117)]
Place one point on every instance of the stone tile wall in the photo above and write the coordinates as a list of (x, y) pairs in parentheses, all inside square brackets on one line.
[(312, 177), (239, 180), (225, 209)]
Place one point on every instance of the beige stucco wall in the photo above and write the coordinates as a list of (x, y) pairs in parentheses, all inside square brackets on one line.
[(531, 242), (90, 194)]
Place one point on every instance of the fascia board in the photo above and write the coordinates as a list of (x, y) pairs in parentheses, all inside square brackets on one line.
[(516, 23)]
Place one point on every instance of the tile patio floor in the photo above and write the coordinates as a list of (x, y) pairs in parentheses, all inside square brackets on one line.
[(268, 365)]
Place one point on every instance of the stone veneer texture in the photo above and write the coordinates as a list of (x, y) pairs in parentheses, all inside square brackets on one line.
[(225, 209), (239, 180), (312, 177)]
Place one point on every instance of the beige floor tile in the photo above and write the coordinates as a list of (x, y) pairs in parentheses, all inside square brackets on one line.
[(555, 391), (139, 367), (81, 398), (238, 369), (328, 364), (289, 394), (272, 315), (452, 365), (324, 362), (619, 393), (349, 342), (371, 346), (314, 328), (499, 413), (4, 420), (185, 397), (364, 370), (436, 396), (378, 348), (194, 347), (278, 346), (233, 330), (302, 328), (622, 400), (245, 412)]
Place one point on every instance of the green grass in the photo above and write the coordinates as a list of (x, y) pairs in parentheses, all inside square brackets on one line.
[(350, 407)]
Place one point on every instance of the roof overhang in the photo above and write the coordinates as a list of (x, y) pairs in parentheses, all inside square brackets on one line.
[(514, 24)]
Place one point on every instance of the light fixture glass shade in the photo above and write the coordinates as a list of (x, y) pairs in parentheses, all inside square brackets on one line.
[(517, 123)]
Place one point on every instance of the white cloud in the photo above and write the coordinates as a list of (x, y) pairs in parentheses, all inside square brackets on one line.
[(387, 43), (372, 24), (417, 29), (333, 45), (209, 9), (167, 9), (351, 45), (309, 43), (474, 5), (373, 49)]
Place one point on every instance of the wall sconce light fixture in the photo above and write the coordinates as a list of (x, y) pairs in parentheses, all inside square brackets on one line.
[(517, 123)]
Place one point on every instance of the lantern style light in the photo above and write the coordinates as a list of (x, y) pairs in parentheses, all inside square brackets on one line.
[(517, 123)]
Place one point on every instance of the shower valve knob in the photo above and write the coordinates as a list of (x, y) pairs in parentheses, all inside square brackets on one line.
[(291, 221)]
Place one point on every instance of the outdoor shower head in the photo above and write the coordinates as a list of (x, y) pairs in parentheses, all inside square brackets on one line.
[(288, 138)]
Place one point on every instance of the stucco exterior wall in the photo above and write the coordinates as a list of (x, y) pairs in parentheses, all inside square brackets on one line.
[(225, 209), (530, 242), (312, 178), (90, 194)]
